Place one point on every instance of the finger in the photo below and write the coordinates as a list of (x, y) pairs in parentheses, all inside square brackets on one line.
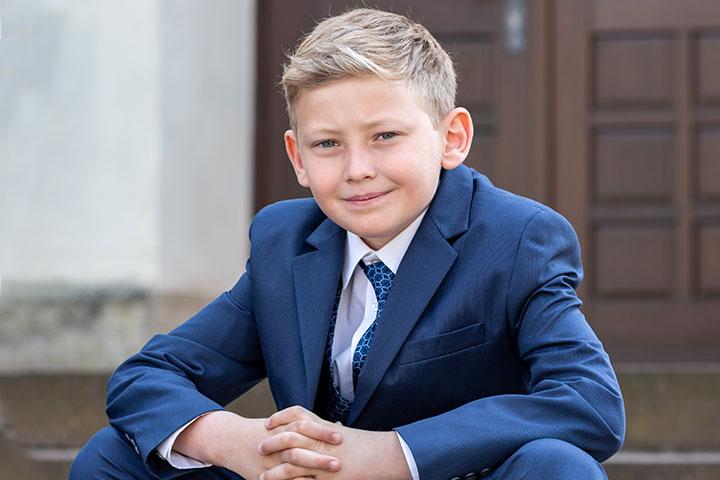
[(285, 471), (324, 432), (283, 441), (286, 440), (290, 414), (310, 459)]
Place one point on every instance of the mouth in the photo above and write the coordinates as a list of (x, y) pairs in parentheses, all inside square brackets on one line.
[(366, 198)]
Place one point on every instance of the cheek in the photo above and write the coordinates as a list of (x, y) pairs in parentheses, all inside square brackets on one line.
[(325, 191), (321, 177), (322, 193)]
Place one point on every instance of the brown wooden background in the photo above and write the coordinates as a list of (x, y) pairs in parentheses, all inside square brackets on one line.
[(610, 114)]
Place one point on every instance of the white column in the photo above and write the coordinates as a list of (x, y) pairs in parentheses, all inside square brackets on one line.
[(126, 143)]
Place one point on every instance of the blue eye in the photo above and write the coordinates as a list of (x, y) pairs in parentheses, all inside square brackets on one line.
[(387, 135), (326, 144)]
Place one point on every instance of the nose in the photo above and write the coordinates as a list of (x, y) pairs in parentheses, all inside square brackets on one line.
[(359, 165)]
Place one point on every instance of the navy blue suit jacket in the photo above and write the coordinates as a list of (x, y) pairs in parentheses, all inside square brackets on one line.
[(482, 345)]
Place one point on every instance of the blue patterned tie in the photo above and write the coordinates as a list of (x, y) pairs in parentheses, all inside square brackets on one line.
[(381, 279), (338, 407)]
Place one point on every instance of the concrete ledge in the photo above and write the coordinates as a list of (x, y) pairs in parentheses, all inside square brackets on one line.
[(665, 458), (663, 472), (63, 410), (672, 410), (48, 328)]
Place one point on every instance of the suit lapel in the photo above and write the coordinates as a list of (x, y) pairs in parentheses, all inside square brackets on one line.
[(422, 270), (316, 275)]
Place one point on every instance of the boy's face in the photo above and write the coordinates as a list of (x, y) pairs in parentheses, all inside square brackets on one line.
[(369, 153)]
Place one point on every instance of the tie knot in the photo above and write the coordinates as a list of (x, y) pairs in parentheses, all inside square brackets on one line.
[(381, 278)]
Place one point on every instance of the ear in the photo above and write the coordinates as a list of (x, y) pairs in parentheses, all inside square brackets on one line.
[(458, 130), (293, 152)]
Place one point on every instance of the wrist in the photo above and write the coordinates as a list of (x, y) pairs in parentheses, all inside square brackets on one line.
[(236, 442), (211, 437), (235, 446), (397, 467), (379, 456)]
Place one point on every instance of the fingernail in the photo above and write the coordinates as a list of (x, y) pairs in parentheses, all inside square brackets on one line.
[(267, 423), (259, 449), (334, 465), (262, 476), (336, 437)]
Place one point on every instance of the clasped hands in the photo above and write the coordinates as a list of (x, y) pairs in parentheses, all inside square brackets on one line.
[(307, 446), (301, 441), (293, 444)]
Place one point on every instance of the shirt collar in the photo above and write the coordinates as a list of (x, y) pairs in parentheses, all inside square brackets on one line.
[(391, 254)]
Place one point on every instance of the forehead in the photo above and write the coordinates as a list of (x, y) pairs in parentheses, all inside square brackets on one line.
[(359, 101)]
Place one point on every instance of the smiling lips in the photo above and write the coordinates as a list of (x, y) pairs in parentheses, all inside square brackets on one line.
[(366, 198)]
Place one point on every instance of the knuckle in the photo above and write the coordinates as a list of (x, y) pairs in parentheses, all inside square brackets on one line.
[(296, 438), (288, 469), (294, 456), (264, 448), (286, 439)]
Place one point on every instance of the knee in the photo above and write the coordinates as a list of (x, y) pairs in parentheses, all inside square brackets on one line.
[(550, 458), (100, 456)]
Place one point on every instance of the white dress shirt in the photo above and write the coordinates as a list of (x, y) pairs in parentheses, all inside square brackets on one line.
[(356, 312)]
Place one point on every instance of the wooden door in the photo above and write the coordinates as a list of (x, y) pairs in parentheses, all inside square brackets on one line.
[(495, 82), (637, 99)]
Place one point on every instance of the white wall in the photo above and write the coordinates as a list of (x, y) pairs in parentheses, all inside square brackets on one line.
[(79, 154), (126, 179), (207, 109), (126, 134)]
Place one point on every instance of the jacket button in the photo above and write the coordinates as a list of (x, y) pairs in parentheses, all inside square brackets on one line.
[(485, 472), (132, 442), (471, 476)]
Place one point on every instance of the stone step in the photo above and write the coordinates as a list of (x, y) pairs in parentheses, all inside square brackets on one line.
[(636, 465), (54, 464), (663, 472), (671, 409), (64, 410), (668, 407), (46, 418), (16, 465), (53, 410)]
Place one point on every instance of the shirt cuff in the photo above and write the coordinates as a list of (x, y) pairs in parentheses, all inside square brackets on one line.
[(409, 458), (175, 459)]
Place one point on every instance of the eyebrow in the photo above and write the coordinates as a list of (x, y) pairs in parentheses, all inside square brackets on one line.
[(380, 122), (372, 125)]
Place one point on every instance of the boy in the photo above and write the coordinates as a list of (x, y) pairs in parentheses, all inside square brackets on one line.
[(413, 320)]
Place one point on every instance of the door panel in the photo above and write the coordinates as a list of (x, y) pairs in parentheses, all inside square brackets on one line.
[(638, 168)]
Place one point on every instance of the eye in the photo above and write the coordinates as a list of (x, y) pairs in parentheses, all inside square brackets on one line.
[(325, 143), (387, 135)]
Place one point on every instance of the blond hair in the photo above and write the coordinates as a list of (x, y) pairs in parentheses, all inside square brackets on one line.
[(365, 41)]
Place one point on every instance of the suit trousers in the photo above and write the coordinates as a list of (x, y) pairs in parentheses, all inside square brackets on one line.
[(109, 456)]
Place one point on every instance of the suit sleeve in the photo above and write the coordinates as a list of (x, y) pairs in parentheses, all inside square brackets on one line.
[(199, 367), (573, 394)]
